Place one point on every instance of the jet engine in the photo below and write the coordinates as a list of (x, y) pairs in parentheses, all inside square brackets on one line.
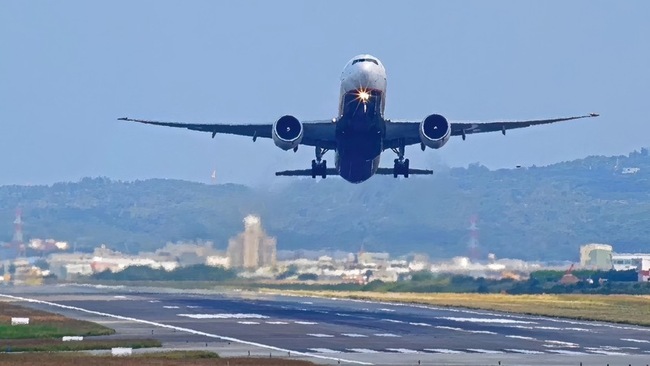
[(435, 131), (287, 132)]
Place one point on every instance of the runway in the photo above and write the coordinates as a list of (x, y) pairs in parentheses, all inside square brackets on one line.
[(347, 331)]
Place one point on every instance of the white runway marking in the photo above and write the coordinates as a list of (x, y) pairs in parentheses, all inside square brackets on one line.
[(402, 350), (248, 323), (608, 353), (421, 324), (119, 297), (320, 335), (480, 332), (549, 328), (387, 310), (354, 335), (362, 350), (524, 351), (443, 350), (480, 350), (193, 306), (387, 335), (566, 352), (581, 329), (181, 329), (307, 303), (522, 337), (340, 314), (487, 320), (448, 328), (224, 316), (324, 350), (304, 323), (277, 323), (154, 301), (392, 321), (560, 344), (170, 307), (635, 340)]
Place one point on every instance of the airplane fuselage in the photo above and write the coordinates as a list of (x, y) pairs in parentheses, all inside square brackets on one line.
[(360, 126)]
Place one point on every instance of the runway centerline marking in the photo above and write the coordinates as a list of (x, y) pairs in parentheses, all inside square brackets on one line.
[(362, 350), (635, 340), (444, 350), (521, 337), (524, 351), (387, 335), (181, 329), (480, 350), (402, 350), (224, 316)]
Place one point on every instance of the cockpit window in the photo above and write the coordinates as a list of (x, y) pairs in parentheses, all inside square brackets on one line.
[(365, 60)]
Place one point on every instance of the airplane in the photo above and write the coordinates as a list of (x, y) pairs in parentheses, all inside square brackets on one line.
[(360, 132)]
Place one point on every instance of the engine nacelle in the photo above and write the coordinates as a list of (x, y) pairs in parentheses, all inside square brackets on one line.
[(287, 132), (435, 131)]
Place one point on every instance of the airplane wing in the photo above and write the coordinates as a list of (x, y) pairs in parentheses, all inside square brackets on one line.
[(317, 133), (407, 133)]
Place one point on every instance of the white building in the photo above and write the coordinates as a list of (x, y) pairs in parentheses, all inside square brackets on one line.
[(636, 261)]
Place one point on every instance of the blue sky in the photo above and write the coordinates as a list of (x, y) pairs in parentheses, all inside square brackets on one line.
[(68, 69)]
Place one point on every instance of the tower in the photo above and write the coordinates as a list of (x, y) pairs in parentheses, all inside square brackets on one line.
[(473, 245), (18, 240)]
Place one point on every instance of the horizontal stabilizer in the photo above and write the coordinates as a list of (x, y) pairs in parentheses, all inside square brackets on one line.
[(304, 173), (389, 171)]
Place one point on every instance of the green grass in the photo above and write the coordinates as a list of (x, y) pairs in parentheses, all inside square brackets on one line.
[(47, 331), (44, 324)]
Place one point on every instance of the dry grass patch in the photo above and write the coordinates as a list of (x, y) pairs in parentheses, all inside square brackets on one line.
[(628, 309), (57, 345)]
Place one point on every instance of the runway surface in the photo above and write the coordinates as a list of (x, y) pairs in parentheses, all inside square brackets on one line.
[(353, 331)]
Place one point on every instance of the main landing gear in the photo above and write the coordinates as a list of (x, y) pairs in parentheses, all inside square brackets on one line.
[(401, 166), (319, 166)]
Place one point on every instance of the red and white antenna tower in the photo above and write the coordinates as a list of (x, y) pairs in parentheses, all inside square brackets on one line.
[(18, 239), (473, 245)]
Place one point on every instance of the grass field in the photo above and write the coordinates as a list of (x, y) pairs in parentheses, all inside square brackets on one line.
[(191, 358), (43, 324), (628, 309), (44, 332), (57, 345)]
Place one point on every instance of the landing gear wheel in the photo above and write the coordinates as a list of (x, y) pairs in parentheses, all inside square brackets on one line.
[(396, 168), (319, 168), (405, 166)]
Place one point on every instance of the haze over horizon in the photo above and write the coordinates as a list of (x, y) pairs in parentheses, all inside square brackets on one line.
[(70, 69)]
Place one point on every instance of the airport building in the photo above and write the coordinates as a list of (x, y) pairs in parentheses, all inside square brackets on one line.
[(636, 261)]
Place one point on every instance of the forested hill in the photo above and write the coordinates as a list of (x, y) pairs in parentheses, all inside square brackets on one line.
[(529, 213)]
